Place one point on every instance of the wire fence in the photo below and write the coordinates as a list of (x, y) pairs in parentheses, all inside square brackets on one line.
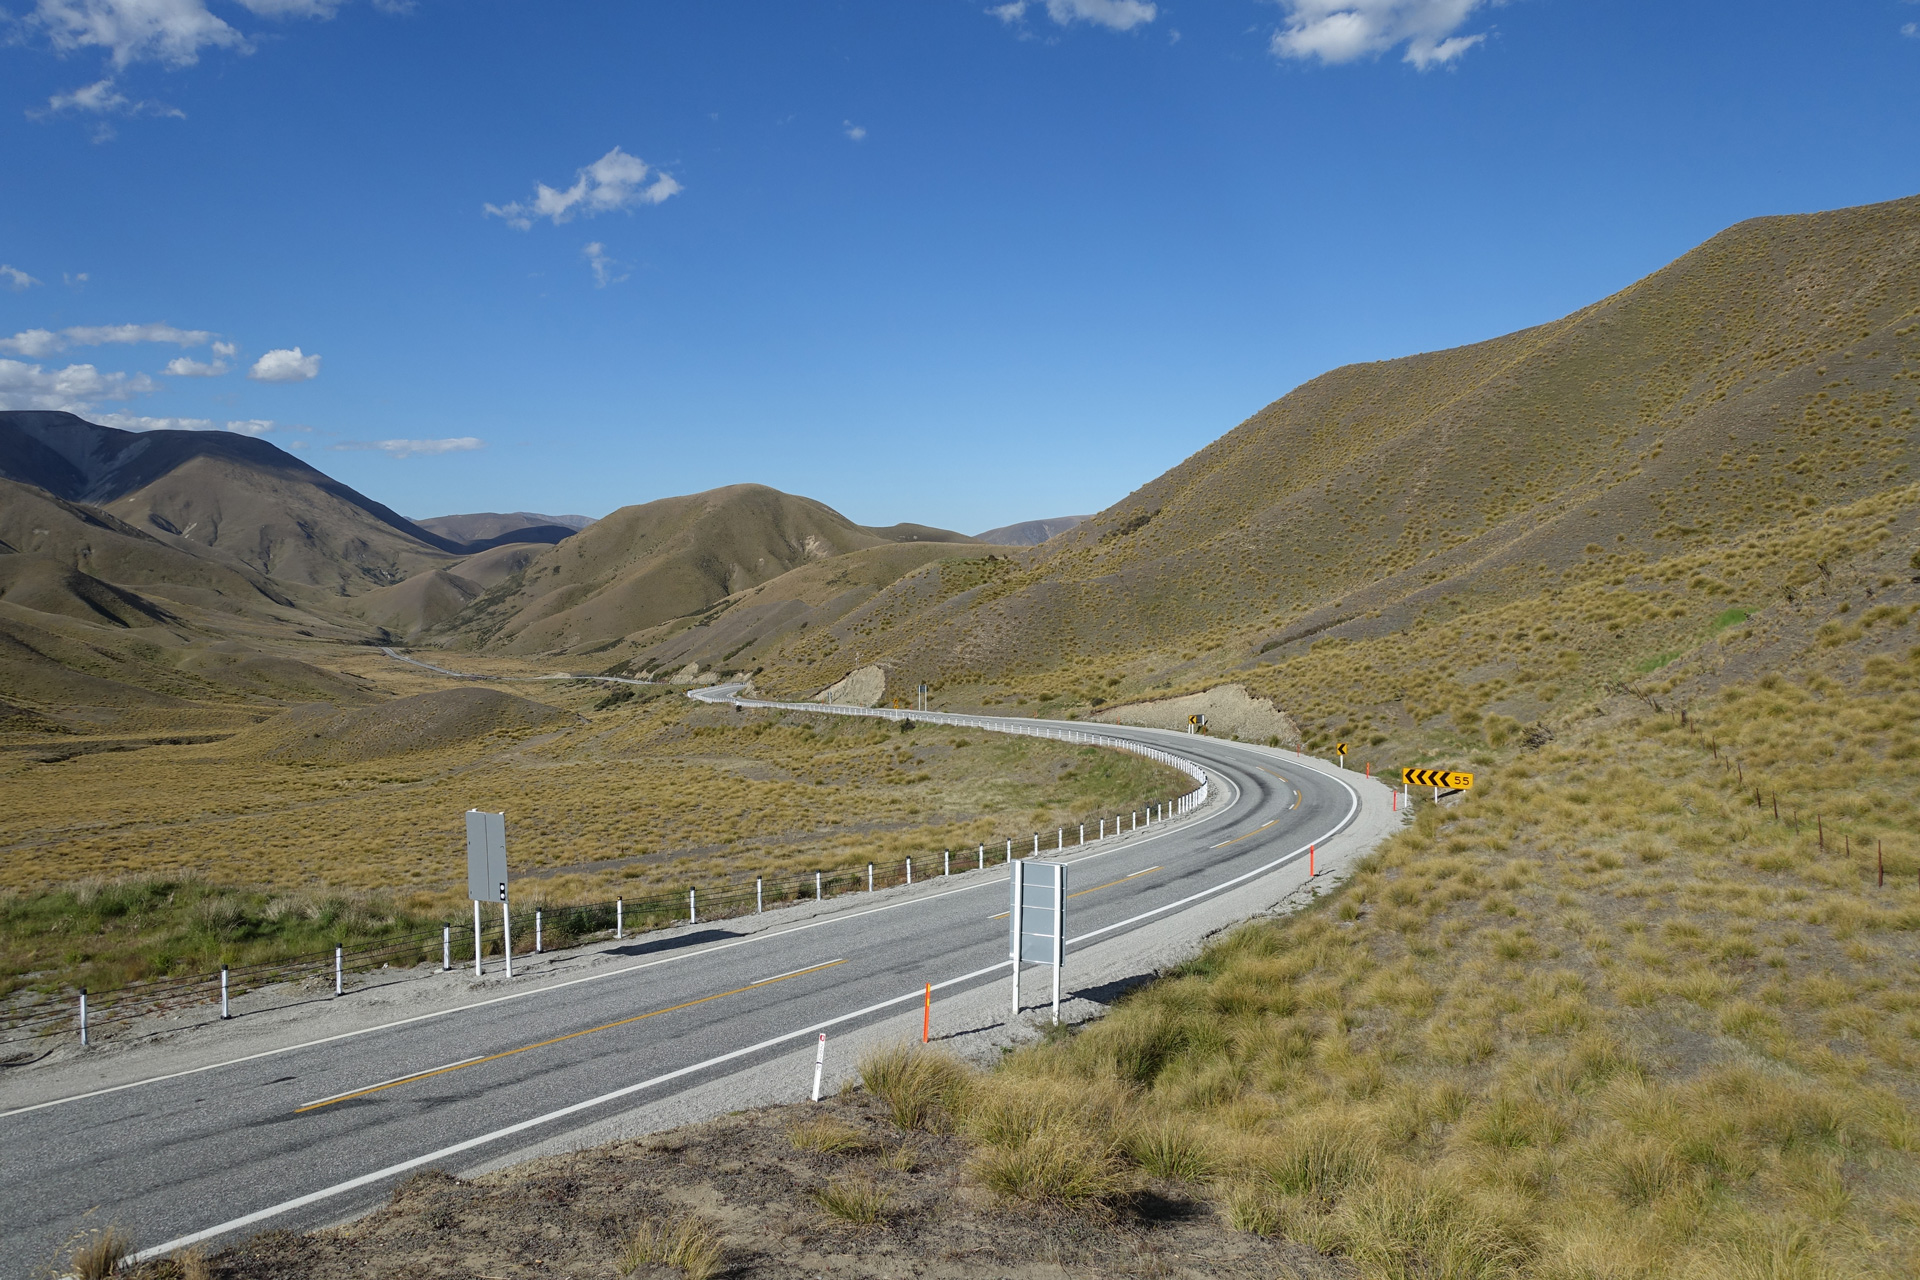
[(456, 944)]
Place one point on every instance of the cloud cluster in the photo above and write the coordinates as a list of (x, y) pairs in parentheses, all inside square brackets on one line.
[(29, 386), (36, 343), (614, 181), (285, 364), (1336, 31), (140, 422), (16, 279), (170, 32), (103, 98), (603, 266), (1115, 15), (415, 448)]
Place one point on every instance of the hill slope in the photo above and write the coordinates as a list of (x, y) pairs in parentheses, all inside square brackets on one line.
[(647, 565), (241, 500), (1767, 374)]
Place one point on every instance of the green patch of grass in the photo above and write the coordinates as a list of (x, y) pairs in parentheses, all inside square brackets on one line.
[(1728, 618)]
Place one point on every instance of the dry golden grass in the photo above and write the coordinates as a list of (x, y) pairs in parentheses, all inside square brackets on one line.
[(686, 1241)]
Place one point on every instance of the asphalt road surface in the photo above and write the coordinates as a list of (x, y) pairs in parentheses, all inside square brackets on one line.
[(314, 1135)]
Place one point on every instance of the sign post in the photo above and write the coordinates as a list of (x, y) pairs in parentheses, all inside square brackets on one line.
[(1341, 747), (487, 877), (1037, 919), (1436, 778)]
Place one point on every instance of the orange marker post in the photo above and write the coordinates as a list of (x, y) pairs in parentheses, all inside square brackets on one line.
[(926, 1019), (1311, 873)]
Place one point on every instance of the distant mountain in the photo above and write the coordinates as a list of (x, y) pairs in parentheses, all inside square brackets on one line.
[(241, 500), (491, 527), (1029, 533), (649, 564)]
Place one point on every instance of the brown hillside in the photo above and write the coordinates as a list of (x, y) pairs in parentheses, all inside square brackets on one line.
[(649, 564), (1766, 375)]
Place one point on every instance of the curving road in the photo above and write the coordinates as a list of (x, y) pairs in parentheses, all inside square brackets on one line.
[(310, 1135)]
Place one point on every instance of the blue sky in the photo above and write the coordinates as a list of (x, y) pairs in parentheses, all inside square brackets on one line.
[(960, 263)]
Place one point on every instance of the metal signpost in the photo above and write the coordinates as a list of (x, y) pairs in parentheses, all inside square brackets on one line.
[(1038, 921), (487, 877)]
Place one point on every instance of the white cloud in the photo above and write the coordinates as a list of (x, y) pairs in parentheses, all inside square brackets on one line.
[(28, 386), (321, 9), (602, 265), (184, 367), (1336, 31), (16, 279), (1912, 29), (854, 131), (416, 448), (101, 98), (140, 422), (285, 364), (251, 426), (172, 32), (74, 281), (34, 343), (614, 181), (1116, 15), (224, 350)]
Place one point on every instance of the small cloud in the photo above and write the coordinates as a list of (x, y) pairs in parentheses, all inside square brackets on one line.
[(16, 279), (1337, 31), (103, 98), (185, 367), (603, 266), (1115, 15), (75, 280), (1911, 30), (101, 334), (28, 386), (250, 426), (140, 422), (854, 131), (224, 350), (415, 448), (285, 364), (614, 181), (33, 343), (171, 32), (322, 9)]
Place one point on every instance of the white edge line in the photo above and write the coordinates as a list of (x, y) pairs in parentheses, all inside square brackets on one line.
[(558, 986), (367, 1179)]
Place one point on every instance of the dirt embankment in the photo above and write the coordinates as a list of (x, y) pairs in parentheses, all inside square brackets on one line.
[(1230, 710), (758, 1185)]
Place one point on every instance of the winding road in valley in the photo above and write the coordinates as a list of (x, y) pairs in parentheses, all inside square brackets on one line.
[(303, 1135)]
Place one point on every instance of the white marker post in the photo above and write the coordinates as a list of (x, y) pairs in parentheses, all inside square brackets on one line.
[(819, 1064)]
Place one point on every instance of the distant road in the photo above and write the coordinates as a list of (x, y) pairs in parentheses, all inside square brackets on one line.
[(316, 1134)]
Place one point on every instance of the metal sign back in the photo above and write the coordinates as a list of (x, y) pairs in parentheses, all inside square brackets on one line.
[(486, 856), (1036, 922)]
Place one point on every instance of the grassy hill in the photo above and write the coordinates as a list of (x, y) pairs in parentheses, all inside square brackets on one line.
[(1558, 477)]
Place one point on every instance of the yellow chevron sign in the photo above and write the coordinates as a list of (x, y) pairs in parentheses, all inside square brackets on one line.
[(1436, 778), (1341, 747)]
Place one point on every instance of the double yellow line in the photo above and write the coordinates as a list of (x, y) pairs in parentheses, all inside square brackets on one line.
[(541, 1044)]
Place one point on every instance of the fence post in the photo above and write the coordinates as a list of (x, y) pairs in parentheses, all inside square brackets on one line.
[(83, 1018), (224, 1013), (759, 900), (446, 948), (693, 913), (619, 918), (339, 969)]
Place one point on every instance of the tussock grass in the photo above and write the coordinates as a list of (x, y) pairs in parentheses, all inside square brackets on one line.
[(923, 1088), (827, 1136), (860, 1201), (100, 1253), (686, 1241)]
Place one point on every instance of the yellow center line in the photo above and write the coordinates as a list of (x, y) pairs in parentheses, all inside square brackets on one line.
[(1108, 885), (571, 1035), (1250, 835)]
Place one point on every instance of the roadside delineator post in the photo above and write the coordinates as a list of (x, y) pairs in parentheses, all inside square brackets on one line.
[(1310, 871), (339, 953), (759, 900), (816, 886), (83, 1018), (947, 866), (926, 1018), (619, 918), (819, 1064), (224, 1012), (693, 911), (909, 870), (869, 877), (539, 941), (983, 858)]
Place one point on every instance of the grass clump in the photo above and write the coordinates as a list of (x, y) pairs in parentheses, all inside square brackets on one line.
[(827, 1136), (100, 1253), (860, 1201), (922, 1088), (686, 1241)]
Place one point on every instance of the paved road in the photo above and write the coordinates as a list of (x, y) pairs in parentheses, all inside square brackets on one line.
[(313, 1135)]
